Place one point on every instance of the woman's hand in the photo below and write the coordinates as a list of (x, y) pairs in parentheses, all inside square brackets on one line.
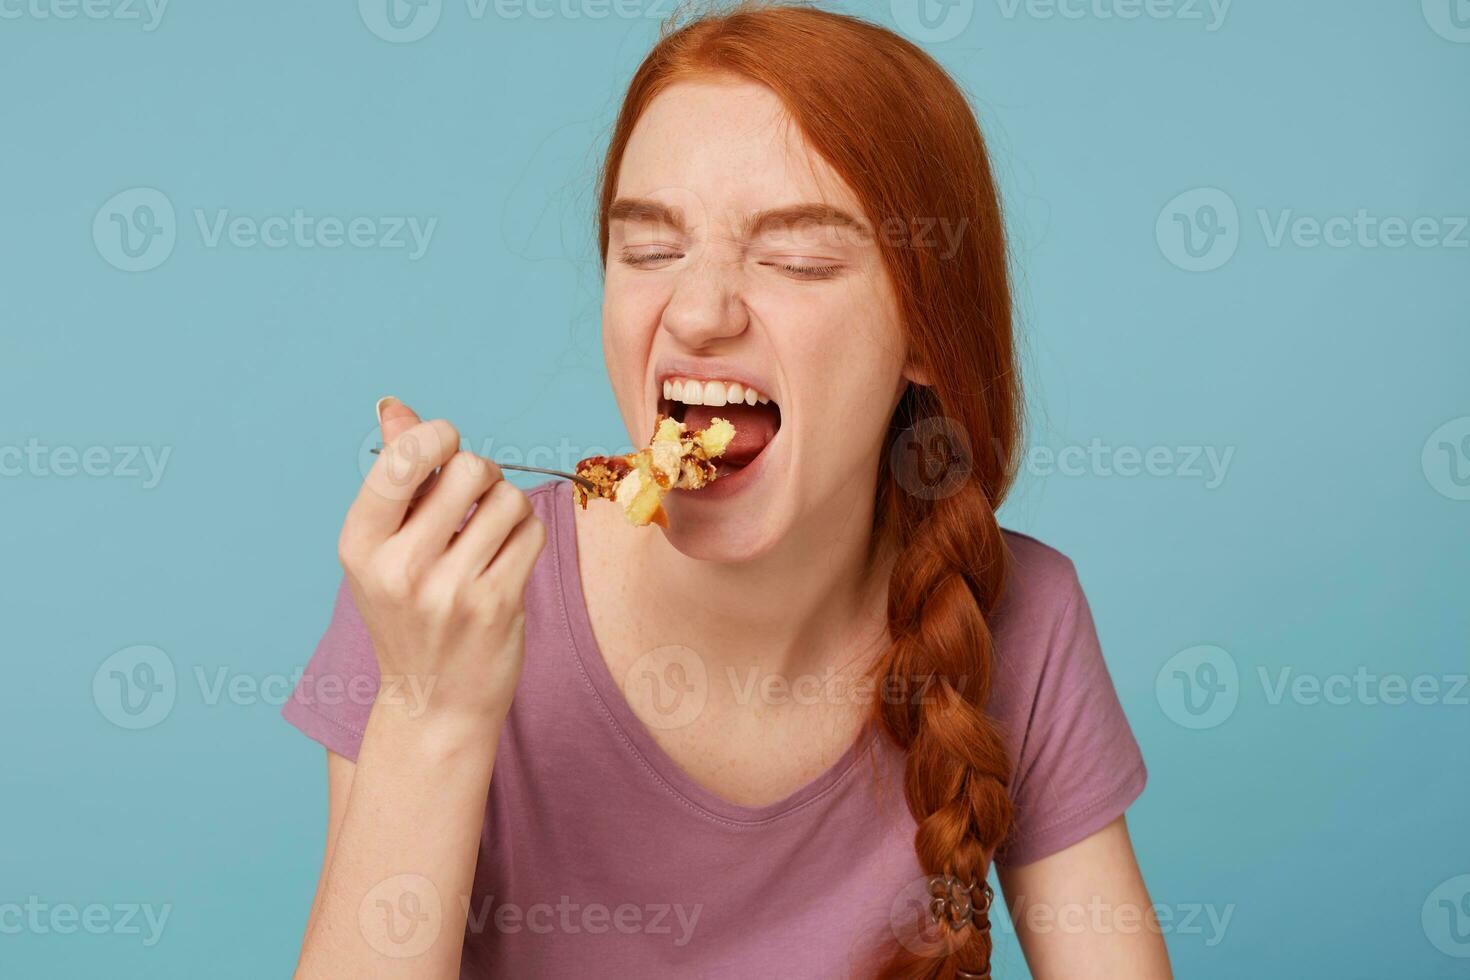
[(442, 596), (441, 591)]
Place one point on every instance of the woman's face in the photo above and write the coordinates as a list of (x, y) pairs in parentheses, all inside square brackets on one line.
[(736, 255)]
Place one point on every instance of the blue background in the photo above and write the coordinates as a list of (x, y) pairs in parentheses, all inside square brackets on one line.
[(1333, 542)]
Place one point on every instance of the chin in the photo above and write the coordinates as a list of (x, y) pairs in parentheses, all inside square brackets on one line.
[(713, 535)]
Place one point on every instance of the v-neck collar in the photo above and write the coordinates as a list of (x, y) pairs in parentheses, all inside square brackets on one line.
[(626, 723)]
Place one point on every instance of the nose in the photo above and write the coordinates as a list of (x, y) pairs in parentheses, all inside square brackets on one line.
[(706, 306)]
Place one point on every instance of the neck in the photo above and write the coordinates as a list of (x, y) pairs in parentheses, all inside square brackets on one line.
[(815, 602)]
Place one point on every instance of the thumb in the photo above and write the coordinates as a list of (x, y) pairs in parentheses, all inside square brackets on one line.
[(394, 418)]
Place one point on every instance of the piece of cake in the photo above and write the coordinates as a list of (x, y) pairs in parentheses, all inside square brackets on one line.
[(675, 459)]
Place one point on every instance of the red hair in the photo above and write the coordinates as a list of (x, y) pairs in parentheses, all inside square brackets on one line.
[(893, 124)]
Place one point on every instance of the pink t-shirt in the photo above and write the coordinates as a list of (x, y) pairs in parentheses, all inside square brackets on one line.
[(601, 857)]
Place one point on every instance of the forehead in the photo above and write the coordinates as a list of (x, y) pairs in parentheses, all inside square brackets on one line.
[(729, 144)]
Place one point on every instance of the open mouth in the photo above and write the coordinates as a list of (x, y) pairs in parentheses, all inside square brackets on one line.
[(695, 401)]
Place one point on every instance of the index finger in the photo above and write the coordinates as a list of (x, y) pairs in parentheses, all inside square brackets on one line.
[(394, 481)]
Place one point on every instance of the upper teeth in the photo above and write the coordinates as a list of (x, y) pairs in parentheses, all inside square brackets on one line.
[(694, 392)]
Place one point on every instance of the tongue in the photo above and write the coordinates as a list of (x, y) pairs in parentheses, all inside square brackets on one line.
[(755, 425)]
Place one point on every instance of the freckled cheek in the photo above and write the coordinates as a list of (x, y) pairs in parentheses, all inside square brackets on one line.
[(846, 380), (633, 307)]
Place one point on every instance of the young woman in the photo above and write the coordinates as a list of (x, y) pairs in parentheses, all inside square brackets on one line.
[(788, 734)]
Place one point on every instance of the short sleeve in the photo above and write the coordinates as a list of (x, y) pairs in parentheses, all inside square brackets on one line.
[(1079, 766), (333, 698)]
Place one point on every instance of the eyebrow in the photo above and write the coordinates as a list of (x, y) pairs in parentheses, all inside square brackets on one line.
[(755, 225)]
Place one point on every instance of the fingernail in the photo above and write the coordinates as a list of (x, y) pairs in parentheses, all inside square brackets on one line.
[(381, 402)]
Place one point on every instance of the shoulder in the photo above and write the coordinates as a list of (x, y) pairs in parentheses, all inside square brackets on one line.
[(1041, 582), (1075, 762), (1044, 636)]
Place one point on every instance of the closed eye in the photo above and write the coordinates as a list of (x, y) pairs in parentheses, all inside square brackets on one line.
[(651, 257), (802, 270)]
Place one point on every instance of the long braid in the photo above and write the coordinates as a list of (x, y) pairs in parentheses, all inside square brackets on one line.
[(947, 578)]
